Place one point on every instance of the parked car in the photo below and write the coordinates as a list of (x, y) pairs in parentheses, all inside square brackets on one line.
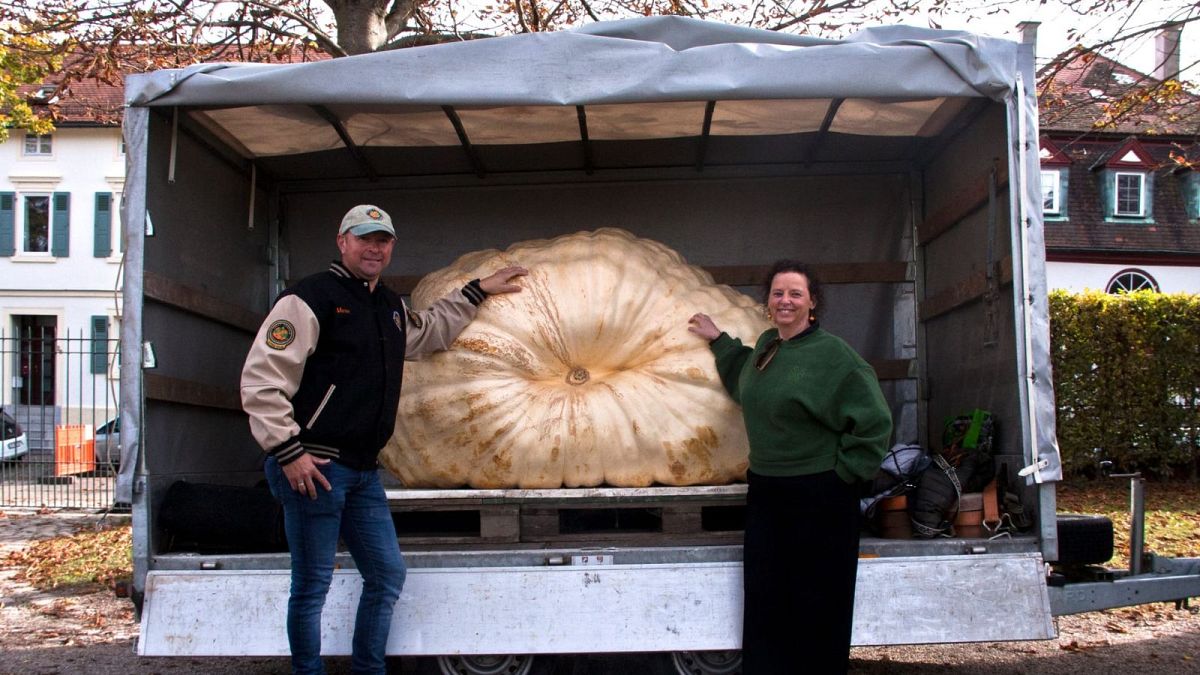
[(13, 442), (108, 444)]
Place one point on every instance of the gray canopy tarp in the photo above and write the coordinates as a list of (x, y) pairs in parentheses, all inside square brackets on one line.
[(634, 80)]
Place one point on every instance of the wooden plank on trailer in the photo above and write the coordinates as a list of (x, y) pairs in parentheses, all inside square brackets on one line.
[(971, 289), (964, 204), (193, 300), (176, 390)]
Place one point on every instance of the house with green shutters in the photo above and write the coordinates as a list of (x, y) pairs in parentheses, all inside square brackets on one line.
[(60, 263)]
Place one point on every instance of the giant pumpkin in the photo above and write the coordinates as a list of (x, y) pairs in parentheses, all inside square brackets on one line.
[(586, 377)]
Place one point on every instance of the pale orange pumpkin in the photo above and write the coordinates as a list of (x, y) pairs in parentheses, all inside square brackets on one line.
[(588, 376)]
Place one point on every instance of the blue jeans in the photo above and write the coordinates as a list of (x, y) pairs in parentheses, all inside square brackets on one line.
[(357, 510)]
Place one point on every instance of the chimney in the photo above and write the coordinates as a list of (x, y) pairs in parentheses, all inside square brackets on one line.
[(1029, 32), (1166, 52)]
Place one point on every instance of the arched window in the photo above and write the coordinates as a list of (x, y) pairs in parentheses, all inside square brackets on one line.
[(1130, 280)]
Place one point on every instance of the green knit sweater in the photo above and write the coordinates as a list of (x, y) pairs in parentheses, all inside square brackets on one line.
[(815, 407)]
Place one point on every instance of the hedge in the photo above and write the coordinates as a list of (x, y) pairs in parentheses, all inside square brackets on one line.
[(1127, 381)]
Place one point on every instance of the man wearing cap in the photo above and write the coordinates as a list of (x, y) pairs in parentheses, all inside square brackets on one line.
[(321, 384)]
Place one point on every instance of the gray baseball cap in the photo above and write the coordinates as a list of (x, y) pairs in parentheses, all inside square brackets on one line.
[(365, 219)]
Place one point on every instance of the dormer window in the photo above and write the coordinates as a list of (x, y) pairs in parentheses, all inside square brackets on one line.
[(1191, 192), (1126, 183), (1056, 166), (1129, 195), (1051, 194)]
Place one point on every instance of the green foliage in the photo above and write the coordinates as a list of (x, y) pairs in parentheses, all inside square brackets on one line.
[(17, 69), (1127, 381)]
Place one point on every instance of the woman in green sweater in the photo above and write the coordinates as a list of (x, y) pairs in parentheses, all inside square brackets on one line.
[(818, 427)]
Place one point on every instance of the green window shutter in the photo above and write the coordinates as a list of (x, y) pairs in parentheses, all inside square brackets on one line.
[(103, 230), (1192, 190), (7, 241), (1064, 189), (99, 345), (1148, 197), (1108, 182), (60, 225)]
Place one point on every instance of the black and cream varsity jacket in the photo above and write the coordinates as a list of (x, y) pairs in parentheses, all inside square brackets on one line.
[(325, 369)]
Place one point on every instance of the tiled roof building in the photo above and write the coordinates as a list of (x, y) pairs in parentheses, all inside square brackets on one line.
[(1121, 185)]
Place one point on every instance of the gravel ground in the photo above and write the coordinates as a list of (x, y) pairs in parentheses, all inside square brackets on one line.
[(94, 632)]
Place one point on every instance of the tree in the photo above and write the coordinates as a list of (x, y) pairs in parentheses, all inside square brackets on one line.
[(16, 74), (137, 35)]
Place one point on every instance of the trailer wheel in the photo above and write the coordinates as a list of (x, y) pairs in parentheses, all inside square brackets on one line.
[(486, 664), (1084, 540), (727, 662)]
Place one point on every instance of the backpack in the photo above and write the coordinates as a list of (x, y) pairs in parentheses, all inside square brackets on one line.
[(897, 475), (963, 465)]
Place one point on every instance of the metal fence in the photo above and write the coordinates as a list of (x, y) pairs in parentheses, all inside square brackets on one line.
[(60, 441)]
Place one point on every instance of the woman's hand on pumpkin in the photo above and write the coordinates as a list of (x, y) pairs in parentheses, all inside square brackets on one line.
[(500, 281), (702, 325)]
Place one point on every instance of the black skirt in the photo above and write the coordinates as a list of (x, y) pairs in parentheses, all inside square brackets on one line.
[(801, 562)]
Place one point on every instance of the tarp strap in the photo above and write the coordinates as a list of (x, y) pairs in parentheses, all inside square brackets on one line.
[(253, 189), (174, 146)]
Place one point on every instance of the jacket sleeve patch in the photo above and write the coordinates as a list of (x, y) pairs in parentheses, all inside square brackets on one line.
[(415, 318), (281, 334)]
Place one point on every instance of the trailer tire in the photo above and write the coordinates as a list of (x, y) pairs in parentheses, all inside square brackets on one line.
[(708, 663), (1084, 540), (495, 664)]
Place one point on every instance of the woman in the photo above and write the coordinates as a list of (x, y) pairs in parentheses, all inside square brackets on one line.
[(818, 426)]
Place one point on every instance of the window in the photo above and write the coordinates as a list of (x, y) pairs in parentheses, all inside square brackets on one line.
[(1051, 199), (36, 229), (38, 145), (1127, 197), (1130, 280), (1191, 192), (42, 223)]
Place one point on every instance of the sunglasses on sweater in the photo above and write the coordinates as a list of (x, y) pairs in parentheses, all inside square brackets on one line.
[(764, 359)]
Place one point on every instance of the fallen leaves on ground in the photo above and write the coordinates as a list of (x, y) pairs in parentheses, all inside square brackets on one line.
[(91, 556), (1172, 514)]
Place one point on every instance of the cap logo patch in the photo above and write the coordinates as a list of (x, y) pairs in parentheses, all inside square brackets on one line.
[(342, 310), (280, 334), (374, 213)]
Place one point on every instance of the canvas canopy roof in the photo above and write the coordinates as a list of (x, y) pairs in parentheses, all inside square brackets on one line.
[(645, 79)]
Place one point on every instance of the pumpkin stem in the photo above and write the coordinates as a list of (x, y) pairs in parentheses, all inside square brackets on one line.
[(578, 376)]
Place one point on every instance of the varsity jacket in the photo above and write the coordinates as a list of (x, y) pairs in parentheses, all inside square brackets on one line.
[(324, 372)]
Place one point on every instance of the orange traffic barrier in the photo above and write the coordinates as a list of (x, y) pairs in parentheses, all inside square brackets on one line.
[(74, 449)]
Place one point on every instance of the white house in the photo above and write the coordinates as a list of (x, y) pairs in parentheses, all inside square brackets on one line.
[(60, 268)]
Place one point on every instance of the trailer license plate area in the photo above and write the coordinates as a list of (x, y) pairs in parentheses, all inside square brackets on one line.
[(592, 559)]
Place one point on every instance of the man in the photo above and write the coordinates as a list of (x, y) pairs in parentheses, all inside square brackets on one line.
[(321, 384)]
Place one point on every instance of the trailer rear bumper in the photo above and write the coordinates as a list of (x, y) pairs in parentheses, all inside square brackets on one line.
[(588, 608)]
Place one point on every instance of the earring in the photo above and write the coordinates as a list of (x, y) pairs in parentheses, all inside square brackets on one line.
[(769, 316)]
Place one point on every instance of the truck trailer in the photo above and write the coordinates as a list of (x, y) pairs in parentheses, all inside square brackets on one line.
[(901, 162)]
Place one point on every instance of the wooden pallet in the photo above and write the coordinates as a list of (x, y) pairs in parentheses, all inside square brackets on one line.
[(571, 517)]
